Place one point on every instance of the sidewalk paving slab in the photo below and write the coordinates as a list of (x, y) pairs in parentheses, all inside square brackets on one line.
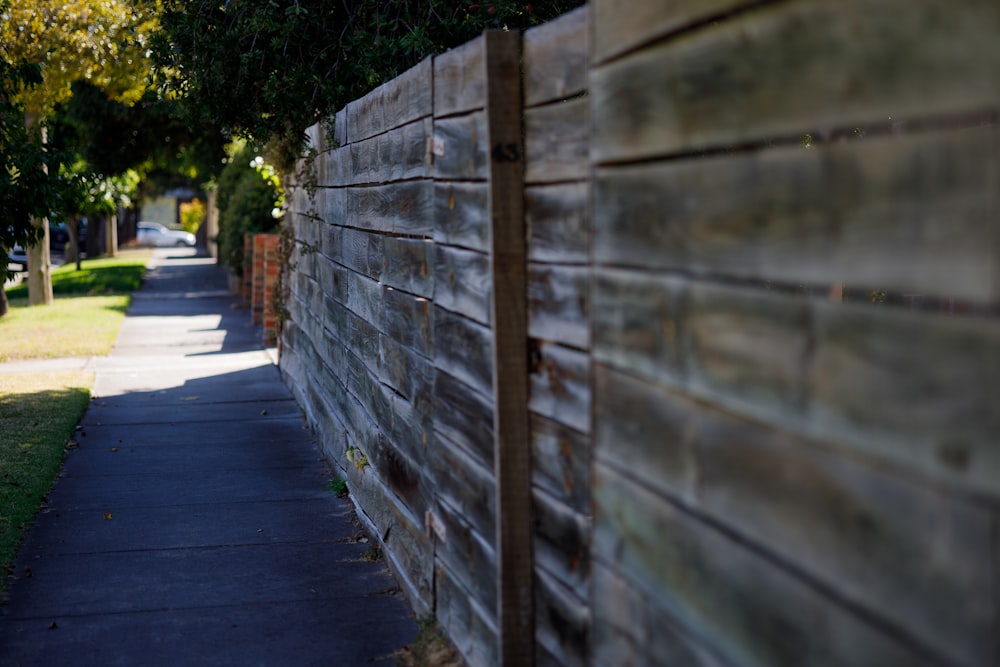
[(192, 521)]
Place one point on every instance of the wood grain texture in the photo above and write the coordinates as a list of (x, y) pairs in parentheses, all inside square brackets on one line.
[(561, 463), (562, 633), (463, 483), (560, 386), (910, 213), (713, 586), (402, 100), (508, 260), (408, 319), (637, 321), (559, 304), (620, 25), (558, 221), (461, 215), (794, 68), (556, 58), (557, 142), (914, 388), (561, 543), (408, 265), (469, 625), (400, 208), (464, 417), (469, 557), (360, 251), (460, 79), (460, 151), (630, 627), (408, 373), (464, 349), (395, 155), (462, 282)]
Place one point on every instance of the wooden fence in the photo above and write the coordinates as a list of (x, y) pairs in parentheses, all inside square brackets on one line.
[(667, 333)]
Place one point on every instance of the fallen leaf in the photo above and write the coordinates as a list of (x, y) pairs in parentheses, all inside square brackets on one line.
[(113, 449), (53, 626), (190, 398), (107, 516), (264, 411)]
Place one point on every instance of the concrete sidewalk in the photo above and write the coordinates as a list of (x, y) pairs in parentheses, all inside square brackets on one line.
[(194, 525)]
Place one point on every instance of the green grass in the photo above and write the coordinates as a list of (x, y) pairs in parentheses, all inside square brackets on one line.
[(104, 275), (38, 415), (85, 316)]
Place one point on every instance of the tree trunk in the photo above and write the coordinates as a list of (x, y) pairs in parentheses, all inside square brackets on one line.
[(72, 250), (112, 236), (40, 268), (4, 306), (39, 259)]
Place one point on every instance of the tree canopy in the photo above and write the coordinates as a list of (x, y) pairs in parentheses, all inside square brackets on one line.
[(267, 70)]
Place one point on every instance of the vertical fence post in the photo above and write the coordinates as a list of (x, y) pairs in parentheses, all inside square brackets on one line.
[(512, 446)]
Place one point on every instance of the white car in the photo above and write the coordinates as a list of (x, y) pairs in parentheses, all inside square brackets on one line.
[(156, 235)]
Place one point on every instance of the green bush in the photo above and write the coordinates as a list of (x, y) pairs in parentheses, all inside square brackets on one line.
[(246, 200)]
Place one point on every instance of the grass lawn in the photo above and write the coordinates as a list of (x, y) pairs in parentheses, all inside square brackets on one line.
[(39, 411), (85, 317), (38, 414)]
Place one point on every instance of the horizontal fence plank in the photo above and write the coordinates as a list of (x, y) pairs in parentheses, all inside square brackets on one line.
[(754, 611), (469, 557), (561, 543), (918, 389), (461, 215), (847, 524), (464, 484), (558, 223), (408, 373), (464, 416), (561, 463), (908, 213), (557, 142), (361, 251), (402, 100), (460, 79), (470, 626), (559, 304), (636, 323), (462, 282), (464, 349), (560, 386), (620, 25), (408, 265), (400, 208), (562, 624), (556, 57), (395, 155), (408, 319), (459, 148), (630, 627), (794, 68)]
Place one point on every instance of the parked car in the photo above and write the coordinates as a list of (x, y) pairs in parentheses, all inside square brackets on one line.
[(156, 235), (17, 259)]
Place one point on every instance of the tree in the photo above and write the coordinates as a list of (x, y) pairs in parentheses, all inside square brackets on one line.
[(102, 41), (267, 70), (27, 187)]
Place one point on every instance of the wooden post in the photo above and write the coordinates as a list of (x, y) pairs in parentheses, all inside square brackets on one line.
[(512, 446)]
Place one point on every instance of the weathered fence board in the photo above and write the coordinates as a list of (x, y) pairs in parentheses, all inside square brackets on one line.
[(558, 223), (912, 213), (400, 208), (459, 148), (753, 611), (795, 68), (561, 463), (556, 142), (558, 304), (464, 349), (560, 386), (462, 282), (460, 79), (556, 57), (461, 215), (626, 25), (408, 265)]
